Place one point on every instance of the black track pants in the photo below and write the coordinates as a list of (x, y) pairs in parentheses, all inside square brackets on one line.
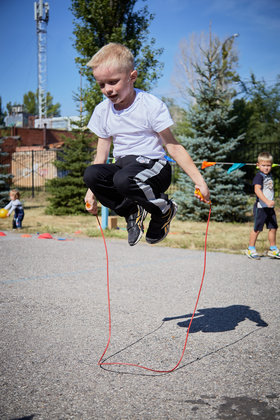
[(130, 181)]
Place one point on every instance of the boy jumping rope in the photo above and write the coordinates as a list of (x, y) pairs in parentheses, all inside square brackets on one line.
[(138, 123), (264, 208)]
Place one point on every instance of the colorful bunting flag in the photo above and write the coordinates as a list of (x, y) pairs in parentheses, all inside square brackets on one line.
[(206, 164), (234, 167), (169, 159)]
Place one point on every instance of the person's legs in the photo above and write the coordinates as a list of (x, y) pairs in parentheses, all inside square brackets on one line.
[(112, 192), (253, 238), (19, 219), (259, 219), (132, 186), (144, 181), (273, 251), (251, 251), (271, 224), (159, 225), (272, 237), (99, 179)]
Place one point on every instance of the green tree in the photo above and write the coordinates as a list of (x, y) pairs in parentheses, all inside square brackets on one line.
[(53, 110), (68, 190), (98, 22), (258, 116), (31, 104), (264, 107), (4, 177), (2, 113), (9, 107), (212, 140), (258, 113), (179, 116)]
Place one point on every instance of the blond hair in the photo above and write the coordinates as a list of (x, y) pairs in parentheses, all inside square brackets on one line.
[(15, 194), (266, 156), (113, 55)]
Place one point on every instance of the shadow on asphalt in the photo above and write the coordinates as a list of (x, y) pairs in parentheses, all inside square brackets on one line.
[(219, 319), (205, 320)]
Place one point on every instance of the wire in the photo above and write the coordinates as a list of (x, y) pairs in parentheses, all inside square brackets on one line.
[(103, 363)]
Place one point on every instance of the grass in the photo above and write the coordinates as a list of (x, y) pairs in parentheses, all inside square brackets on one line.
[(222, 237)]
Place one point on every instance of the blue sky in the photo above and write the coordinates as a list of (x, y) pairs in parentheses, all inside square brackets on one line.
[(257, 22)]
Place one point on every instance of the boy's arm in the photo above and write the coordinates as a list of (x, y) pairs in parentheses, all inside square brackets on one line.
[(102, 153), (261, 196), (102, 150), (181, 156)]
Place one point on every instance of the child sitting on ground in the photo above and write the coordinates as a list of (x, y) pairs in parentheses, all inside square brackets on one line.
[(138, 123), (16, 206), (264, 208)]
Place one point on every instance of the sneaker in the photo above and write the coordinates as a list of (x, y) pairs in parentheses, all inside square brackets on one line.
[(159, 226), (252, 254), (134, 225), (275, 253)]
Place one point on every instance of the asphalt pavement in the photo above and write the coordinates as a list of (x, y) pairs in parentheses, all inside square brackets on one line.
[(54, 329)]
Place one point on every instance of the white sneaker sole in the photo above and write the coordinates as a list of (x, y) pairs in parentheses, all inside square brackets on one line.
[(257, 257)]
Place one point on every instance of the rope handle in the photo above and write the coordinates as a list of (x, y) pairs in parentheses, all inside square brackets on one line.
[(198, 192)]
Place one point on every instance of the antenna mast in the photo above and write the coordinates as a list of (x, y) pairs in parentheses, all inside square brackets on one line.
[(41, 15)]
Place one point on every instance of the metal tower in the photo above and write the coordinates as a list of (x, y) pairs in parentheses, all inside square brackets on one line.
[(41, 15)]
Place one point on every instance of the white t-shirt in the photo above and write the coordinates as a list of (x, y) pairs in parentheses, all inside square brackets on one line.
[(135, 129), (13, 204), (266, 183)]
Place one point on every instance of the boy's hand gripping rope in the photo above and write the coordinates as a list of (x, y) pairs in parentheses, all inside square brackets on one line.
[(198, 192), (103, 363)]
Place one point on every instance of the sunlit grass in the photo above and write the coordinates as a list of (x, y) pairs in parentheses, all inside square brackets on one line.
[(222, 237)]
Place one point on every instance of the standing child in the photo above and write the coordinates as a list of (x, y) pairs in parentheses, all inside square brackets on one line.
[(138, 123), (264, 208), (16, 206)]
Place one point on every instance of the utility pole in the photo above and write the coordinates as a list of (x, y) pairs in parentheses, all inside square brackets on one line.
[(41, 15)]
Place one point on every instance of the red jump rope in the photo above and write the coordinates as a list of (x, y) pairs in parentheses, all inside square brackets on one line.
[(103, 363)]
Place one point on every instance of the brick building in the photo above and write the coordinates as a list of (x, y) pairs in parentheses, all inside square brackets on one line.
[(31, 153), (17, 139)]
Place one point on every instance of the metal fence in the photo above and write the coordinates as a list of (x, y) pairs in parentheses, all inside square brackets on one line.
[(250, 153), (31, 169)]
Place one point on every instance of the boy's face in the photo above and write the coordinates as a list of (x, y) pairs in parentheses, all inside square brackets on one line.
[(116, 85), (265, 166)]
